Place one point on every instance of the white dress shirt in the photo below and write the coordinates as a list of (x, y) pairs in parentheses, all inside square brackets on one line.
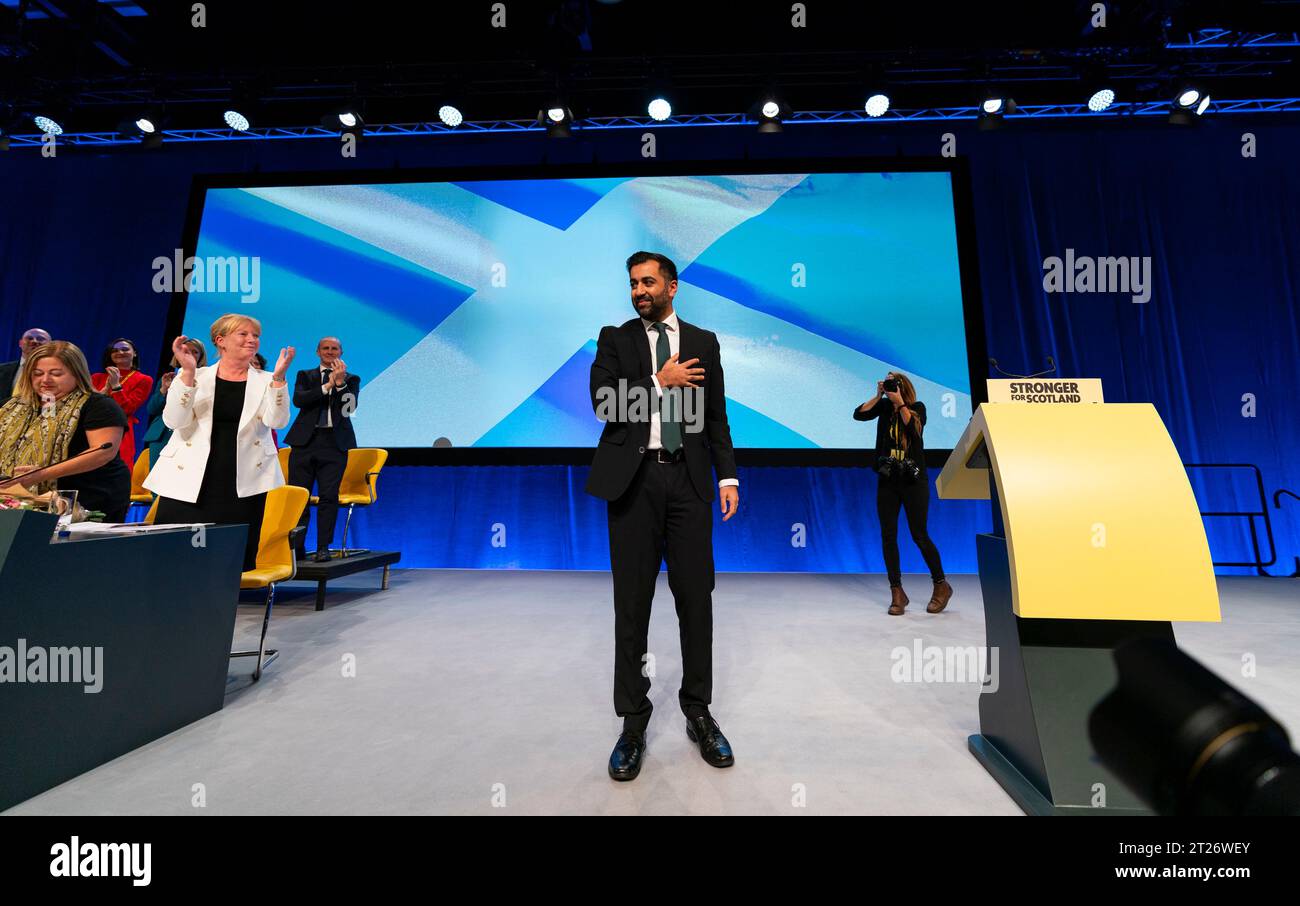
[(674, 344)]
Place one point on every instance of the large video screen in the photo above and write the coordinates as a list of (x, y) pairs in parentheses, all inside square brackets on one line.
[(470, 309)]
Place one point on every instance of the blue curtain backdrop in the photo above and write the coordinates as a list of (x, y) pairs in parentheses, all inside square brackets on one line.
[(1219, 332)]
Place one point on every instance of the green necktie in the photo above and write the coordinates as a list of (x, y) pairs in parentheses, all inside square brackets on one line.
[(670, 423)]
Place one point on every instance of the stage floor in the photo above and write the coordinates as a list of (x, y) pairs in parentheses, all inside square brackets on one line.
[(489, 691)]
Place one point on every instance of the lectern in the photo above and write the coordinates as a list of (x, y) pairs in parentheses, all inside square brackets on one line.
[(1096, 540), (149, 615)]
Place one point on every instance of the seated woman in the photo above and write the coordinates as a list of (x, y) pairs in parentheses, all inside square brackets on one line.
[(221, 461), (122, 380), (54, 415), (157, 435)]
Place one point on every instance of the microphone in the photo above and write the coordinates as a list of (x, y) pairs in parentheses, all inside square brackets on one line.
[(1051, 368), (104, 446)]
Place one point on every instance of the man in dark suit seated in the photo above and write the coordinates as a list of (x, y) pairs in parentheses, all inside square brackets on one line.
[(655, 468), (9, 370), (322, 435)]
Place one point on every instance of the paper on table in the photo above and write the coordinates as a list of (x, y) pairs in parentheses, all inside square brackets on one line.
[(128, 528)]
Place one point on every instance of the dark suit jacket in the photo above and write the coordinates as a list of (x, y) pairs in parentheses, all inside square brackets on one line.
[(623, 353), (309, 399), (8, 372)]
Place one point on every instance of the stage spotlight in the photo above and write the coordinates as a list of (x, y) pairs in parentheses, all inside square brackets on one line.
[(48, 125), (994, 106), (1097, 86), (1189, 103), (450, 115), (659, 109), (557, 119), (877, 105), (769, 113), (236, 120), (1101, 99), (146, 126), (346, 119)]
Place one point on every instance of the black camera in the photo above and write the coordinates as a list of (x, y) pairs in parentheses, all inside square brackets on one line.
[(890, 385), (905, 470), (1187, 742)]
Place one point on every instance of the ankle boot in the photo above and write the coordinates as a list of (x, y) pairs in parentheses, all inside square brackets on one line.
[(899, 600), (942, 592)]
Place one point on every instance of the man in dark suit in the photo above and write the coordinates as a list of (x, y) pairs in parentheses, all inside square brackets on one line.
[(9, 370), (654, 465), (322, 435)]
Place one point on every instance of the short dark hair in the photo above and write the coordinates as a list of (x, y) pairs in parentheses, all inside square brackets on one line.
[(666, 266)]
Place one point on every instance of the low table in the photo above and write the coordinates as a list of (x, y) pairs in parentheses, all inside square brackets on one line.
[(337, 567)]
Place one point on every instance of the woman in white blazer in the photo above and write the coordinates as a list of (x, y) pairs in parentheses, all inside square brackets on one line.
[(221, 459)]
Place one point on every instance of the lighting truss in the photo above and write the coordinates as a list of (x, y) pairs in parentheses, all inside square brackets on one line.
[(921, 114)]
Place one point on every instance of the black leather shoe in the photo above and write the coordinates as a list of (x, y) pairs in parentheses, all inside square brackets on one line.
[(625, 760), (321, 556), (714, 747)]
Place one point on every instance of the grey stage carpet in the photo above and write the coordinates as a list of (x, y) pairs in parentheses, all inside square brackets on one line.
[(482, 692)]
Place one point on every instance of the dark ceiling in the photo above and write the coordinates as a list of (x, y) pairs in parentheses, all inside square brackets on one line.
[(96, 61)]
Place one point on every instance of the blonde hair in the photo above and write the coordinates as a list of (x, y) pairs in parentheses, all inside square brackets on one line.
[(67, 353), (227, 324), (200, 351)]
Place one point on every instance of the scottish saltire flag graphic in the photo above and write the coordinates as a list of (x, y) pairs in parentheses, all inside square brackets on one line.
[(470, 310)]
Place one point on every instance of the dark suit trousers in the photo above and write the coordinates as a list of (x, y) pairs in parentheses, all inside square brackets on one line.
[(321, 462), (661, 517)]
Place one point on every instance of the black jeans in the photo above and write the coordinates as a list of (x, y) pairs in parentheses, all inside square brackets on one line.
[(914, 498)]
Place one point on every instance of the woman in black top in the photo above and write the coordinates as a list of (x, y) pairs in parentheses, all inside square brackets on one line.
[(903, 483), (218, 500), (54, 415)]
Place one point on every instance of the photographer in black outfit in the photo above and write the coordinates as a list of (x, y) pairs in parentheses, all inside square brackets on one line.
[(903, 483)]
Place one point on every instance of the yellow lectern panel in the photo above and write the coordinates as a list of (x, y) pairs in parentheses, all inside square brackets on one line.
[(1100, 518)]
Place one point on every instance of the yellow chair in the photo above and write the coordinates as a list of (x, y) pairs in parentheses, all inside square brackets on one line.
[(283, 453), (359, 486), (139, 472), (275, 561), (150, 516)]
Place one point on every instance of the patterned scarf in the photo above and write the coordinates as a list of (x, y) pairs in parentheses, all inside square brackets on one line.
[(38, 435)]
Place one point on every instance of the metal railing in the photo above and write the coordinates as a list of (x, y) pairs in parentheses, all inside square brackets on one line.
[(1258, 563), (1277, 505)]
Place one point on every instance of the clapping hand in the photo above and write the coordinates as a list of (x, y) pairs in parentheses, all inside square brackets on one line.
[(114, 376), (340, 373), (282, 363), (184, 354)]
